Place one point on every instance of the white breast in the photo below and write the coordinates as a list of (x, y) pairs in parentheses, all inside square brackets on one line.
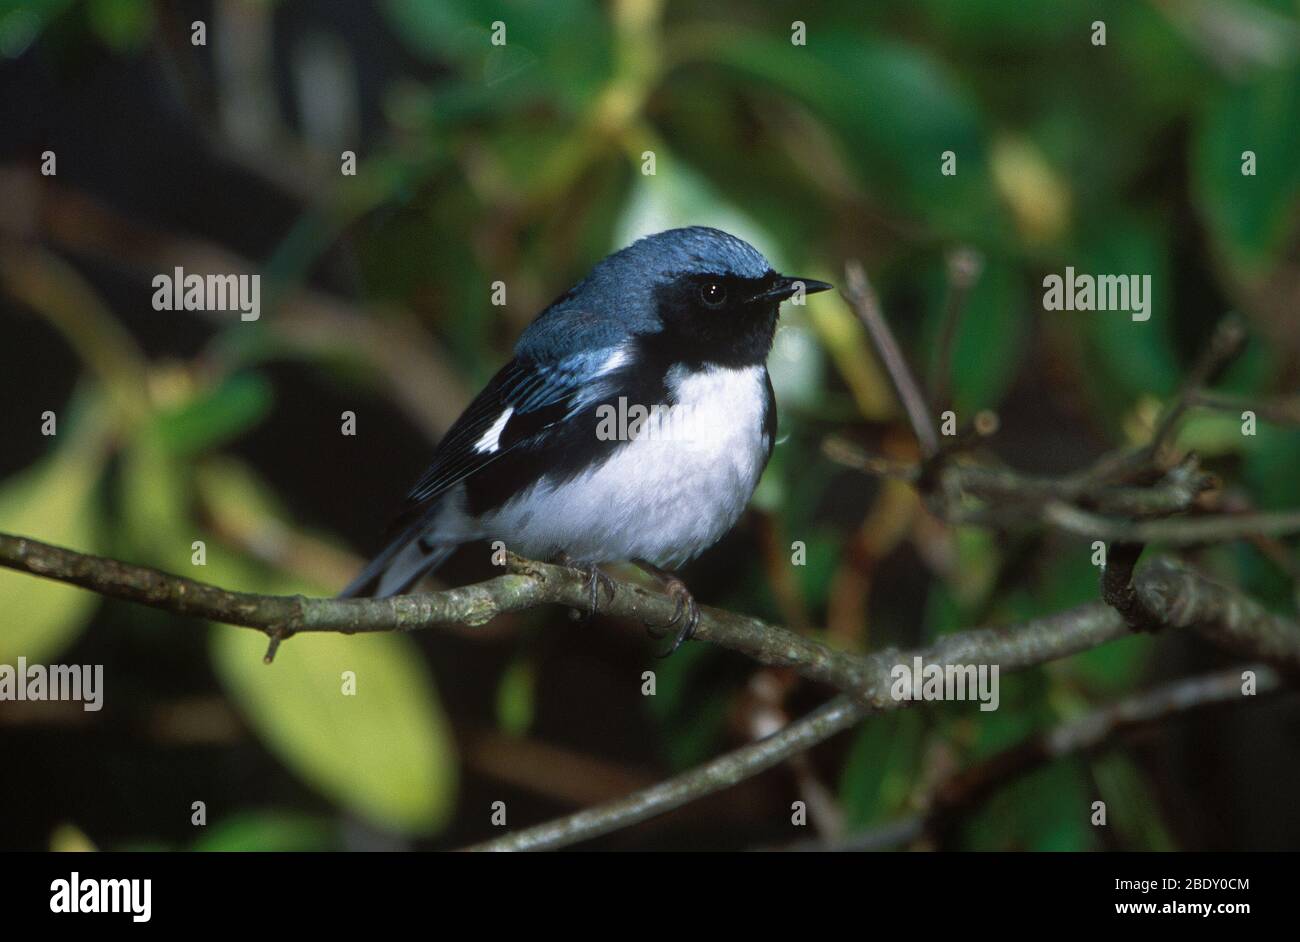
[(667, 494)]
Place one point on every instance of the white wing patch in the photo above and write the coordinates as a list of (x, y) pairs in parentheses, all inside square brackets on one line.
[(616, 359), (491, 439), (660, 498)]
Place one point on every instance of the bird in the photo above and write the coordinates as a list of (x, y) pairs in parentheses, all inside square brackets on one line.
[(632, 424)]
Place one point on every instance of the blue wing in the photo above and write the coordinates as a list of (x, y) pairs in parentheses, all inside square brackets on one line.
[(525, 398)]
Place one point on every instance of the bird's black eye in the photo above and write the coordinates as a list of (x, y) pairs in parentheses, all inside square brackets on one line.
[(713, 294)]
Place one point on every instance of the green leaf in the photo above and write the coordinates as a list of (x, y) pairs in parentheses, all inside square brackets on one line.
[(882, 764), (216, 415), (51, 502), (997, 22), (896, 110), (384, 753), (561, 47), (823, 547), (691, 714), (1251, 217), (268, 831), (1116, 667), (515, 698), (677, 194), (22, 23), (1211, 434), (1047, 810), (1131, 804), (1127, 358), (990, 340), (125, 25), (1272, 459), (68, 838), (1021, 708), (153, 488)]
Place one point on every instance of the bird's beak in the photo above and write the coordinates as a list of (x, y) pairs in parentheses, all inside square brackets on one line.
[(786, 286)]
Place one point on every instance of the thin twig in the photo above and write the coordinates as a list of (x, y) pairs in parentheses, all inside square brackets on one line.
[(862, 298), (965, 791), (1182, 531), (1228, 339), (1283, 410), (964, 266), (1011, 496), (849, 455), (722, 772)]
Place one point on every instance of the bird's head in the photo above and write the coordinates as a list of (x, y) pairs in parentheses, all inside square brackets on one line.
[(705, 296)]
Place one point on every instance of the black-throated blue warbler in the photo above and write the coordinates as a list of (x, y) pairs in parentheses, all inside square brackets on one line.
[(673, 330)]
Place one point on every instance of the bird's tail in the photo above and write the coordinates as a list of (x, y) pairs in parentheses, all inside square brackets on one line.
[(401, 563)]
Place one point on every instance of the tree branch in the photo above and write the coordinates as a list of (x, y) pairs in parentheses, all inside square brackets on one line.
[(724, 771), (528, 585), (1185, 531), (1282, 410), (1177, 596), (964, 265), (1228, 339), (1183, 598), (961, 793), (1012, 648), (1012, 498)]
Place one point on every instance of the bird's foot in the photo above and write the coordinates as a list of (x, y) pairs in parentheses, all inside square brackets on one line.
[(596, 580), (686, 612)]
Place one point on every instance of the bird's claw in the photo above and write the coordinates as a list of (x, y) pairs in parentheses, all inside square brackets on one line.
[(595, 580), (685, 611)]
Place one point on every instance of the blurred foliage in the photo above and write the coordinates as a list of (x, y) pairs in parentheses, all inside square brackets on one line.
[(382, 751), (526, 163), (53, 498)]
